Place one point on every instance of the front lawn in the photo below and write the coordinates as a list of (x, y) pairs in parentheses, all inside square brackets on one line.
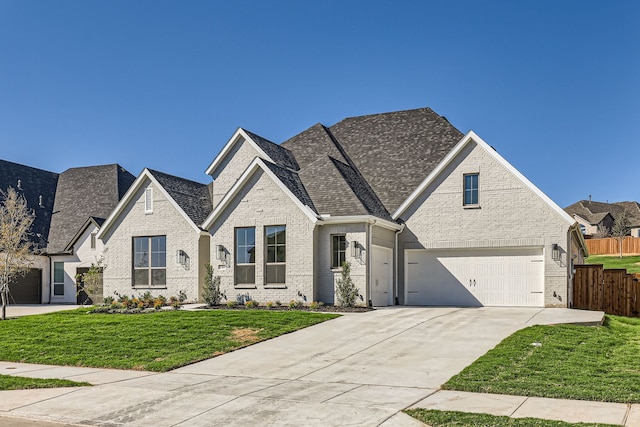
[(156, 342), (630, 263), (466, 419), (562, 361), (8, 382)]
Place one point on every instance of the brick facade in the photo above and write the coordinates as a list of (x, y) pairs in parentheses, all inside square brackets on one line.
[(167, 221), (510, 214)]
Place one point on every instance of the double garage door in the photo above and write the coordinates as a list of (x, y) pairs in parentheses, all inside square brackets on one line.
[(475, 277)]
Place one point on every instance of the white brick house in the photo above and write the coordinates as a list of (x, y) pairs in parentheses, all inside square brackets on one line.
[(424, 214)]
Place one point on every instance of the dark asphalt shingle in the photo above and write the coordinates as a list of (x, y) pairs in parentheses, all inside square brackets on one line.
[(194, 198)]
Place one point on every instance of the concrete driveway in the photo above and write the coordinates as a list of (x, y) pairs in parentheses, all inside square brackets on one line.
[(19, 310), (360, 369)]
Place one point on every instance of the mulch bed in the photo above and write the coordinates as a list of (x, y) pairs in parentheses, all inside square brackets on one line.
[(321, 309)]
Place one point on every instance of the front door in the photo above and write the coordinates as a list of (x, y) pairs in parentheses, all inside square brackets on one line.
[(381, 276)]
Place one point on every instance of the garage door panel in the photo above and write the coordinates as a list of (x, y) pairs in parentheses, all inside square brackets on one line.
[(507, 277), (26, 289)]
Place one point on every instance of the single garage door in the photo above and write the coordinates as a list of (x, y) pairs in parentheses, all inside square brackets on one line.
[(475, 277), (26, 289)]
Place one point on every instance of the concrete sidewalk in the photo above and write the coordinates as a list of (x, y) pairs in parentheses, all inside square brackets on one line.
[(573, 411), (358, 369)]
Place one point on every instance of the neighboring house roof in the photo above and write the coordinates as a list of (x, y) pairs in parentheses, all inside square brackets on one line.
[(194, 198), (36, 185), (81, 193), (594, 212)]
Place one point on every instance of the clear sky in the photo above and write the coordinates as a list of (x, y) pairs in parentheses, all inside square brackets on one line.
[(553, 85)]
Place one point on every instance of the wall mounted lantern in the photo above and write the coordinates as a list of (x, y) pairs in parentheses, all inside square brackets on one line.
[(220, 252), (355, 249), (182, 258), (555, 252)]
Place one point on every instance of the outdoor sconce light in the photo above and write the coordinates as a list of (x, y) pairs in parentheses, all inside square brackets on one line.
[(182, 258), (220, 252), (555, 252), (355, 249)]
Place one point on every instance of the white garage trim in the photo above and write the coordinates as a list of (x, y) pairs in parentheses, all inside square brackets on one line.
[(475, 277)]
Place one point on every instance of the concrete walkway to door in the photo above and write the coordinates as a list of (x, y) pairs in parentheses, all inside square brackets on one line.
[(359, 369)]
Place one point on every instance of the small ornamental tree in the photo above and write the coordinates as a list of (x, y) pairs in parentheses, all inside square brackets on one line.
[(346, 290), (620, 229), (15, 248), (91, 280), (211, 293)]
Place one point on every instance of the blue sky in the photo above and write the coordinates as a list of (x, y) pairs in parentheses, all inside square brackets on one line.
[(553, 85)]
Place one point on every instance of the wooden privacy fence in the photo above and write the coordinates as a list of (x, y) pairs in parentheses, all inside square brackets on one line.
[(612, 291), (611, 246)]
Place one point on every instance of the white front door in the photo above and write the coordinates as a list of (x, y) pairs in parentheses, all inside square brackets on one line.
[(475, 277), (381, 276)]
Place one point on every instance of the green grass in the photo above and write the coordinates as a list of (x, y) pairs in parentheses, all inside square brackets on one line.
[(155, 342), (466, 419), (574, 362), (8, 382), (630, 263)]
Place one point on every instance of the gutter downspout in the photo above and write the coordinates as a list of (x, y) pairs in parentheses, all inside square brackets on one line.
[(396, 267), (50, 281), (369, 257)]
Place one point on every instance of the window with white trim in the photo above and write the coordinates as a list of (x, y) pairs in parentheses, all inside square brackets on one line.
[(150, 261), (148, 200), (338, 250), (245, 256), (470, 189), (58, 278), (275, 265), (93, 240)]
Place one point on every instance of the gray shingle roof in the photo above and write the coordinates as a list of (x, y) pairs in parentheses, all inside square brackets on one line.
[(395, 152), (279, 154), (312, 144), (194, 198), (84, 192), (381, 158), (331, 193), (33, 184), (294, 184)]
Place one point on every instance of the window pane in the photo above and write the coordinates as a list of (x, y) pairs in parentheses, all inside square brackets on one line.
[(245, 274), (281, 252), (159, 277), (58, 289), (471, 189), (241, 237), (251, 236), (276, 274), (58, 272), (140, 277), (271, 254)]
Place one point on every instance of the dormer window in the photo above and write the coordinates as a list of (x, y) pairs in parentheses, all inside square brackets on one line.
[(148, 200), (470, 189)]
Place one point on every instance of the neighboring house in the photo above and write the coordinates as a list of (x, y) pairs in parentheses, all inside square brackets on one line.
[(424, 214), (38, 187), (85, 196), (153, 239), (69, 209), (595, 217)]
